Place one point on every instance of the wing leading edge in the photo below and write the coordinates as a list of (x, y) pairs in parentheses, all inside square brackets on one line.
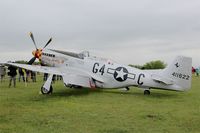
[(36, 68)]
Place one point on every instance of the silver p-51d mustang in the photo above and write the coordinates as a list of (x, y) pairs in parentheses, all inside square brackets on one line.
[(89, 71)]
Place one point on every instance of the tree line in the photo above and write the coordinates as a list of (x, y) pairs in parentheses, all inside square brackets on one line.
[(151, 65)]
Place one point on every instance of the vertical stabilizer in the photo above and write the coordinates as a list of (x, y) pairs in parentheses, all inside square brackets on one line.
[(180, 72)]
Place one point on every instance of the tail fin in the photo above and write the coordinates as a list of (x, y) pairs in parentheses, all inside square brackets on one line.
[(180, 72)]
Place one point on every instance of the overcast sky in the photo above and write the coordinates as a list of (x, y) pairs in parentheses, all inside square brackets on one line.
[(127, 31)]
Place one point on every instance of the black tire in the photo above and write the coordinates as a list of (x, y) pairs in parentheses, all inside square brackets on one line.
[(44, 90), (146, 92)]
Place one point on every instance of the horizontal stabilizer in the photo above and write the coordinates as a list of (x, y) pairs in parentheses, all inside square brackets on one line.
[(162, 79)]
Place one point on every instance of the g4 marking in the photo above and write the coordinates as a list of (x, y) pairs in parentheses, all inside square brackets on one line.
[(96, 68)]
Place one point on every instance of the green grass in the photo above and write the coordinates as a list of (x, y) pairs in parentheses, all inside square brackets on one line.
[(24, 110)]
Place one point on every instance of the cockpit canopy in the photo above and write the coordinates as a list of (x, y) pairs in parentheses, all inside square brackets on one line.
[(81, 55), (84, 54)]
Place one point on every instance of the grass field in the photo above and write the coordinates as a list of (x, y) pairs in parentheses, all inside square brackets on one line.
[(24, 110)]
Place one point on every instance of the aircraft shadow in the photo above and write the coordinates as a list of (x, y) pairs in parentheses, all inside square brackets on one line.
[(153, 94), (83, 92), (67, 93), (73, 92)]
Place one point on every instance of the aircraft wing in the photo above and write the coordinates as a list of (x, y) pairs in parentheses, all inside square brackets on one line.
[(42, 69), (70, 75), (76, 72), (75, 76), (79, 80)]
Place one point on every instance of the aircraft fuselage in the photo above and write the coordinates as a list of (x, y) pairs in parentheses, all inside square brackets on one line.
[(114, 75)]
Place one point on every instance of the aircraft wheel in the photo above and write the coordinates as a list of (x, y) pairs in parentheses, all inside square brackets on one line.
[(45, 91), (146, 92)]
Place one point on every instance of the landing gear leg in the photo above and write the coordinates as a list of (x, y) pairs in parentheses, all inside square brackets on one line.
[(146, 92), (127, 88)]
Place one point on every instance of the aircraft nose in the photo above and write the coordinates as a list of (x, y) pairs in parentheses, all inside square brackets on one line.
[(37, 53)]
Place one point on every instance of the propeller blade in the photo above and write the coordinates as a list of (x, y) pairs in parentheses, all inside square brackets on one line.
[(47, 43), (32, 37), (32, 60)]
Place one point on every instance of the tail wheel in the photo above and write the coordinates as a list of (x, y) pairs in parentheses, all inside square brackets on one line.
[(45, 91), (146, 92), (127, 88)]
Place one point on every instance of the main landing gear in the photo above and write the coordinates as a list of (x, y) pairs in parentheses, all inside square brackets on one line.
[(46, 91), (47, 87)]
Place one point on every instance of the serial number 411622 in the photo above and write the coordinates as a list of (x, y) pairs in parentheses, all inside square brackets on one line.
[(181, 76)]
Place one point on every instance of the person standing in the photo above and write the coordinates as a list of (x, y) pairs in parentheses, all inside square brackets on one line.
[(45, 77), (197, 72), (2, 72), (21, 74), (12, 73), (193, 70), (33, 76), (27, 75)]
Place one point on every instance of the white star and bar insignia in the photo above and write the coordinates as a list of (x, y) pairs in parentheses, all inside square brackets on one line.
[(121, 74)]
